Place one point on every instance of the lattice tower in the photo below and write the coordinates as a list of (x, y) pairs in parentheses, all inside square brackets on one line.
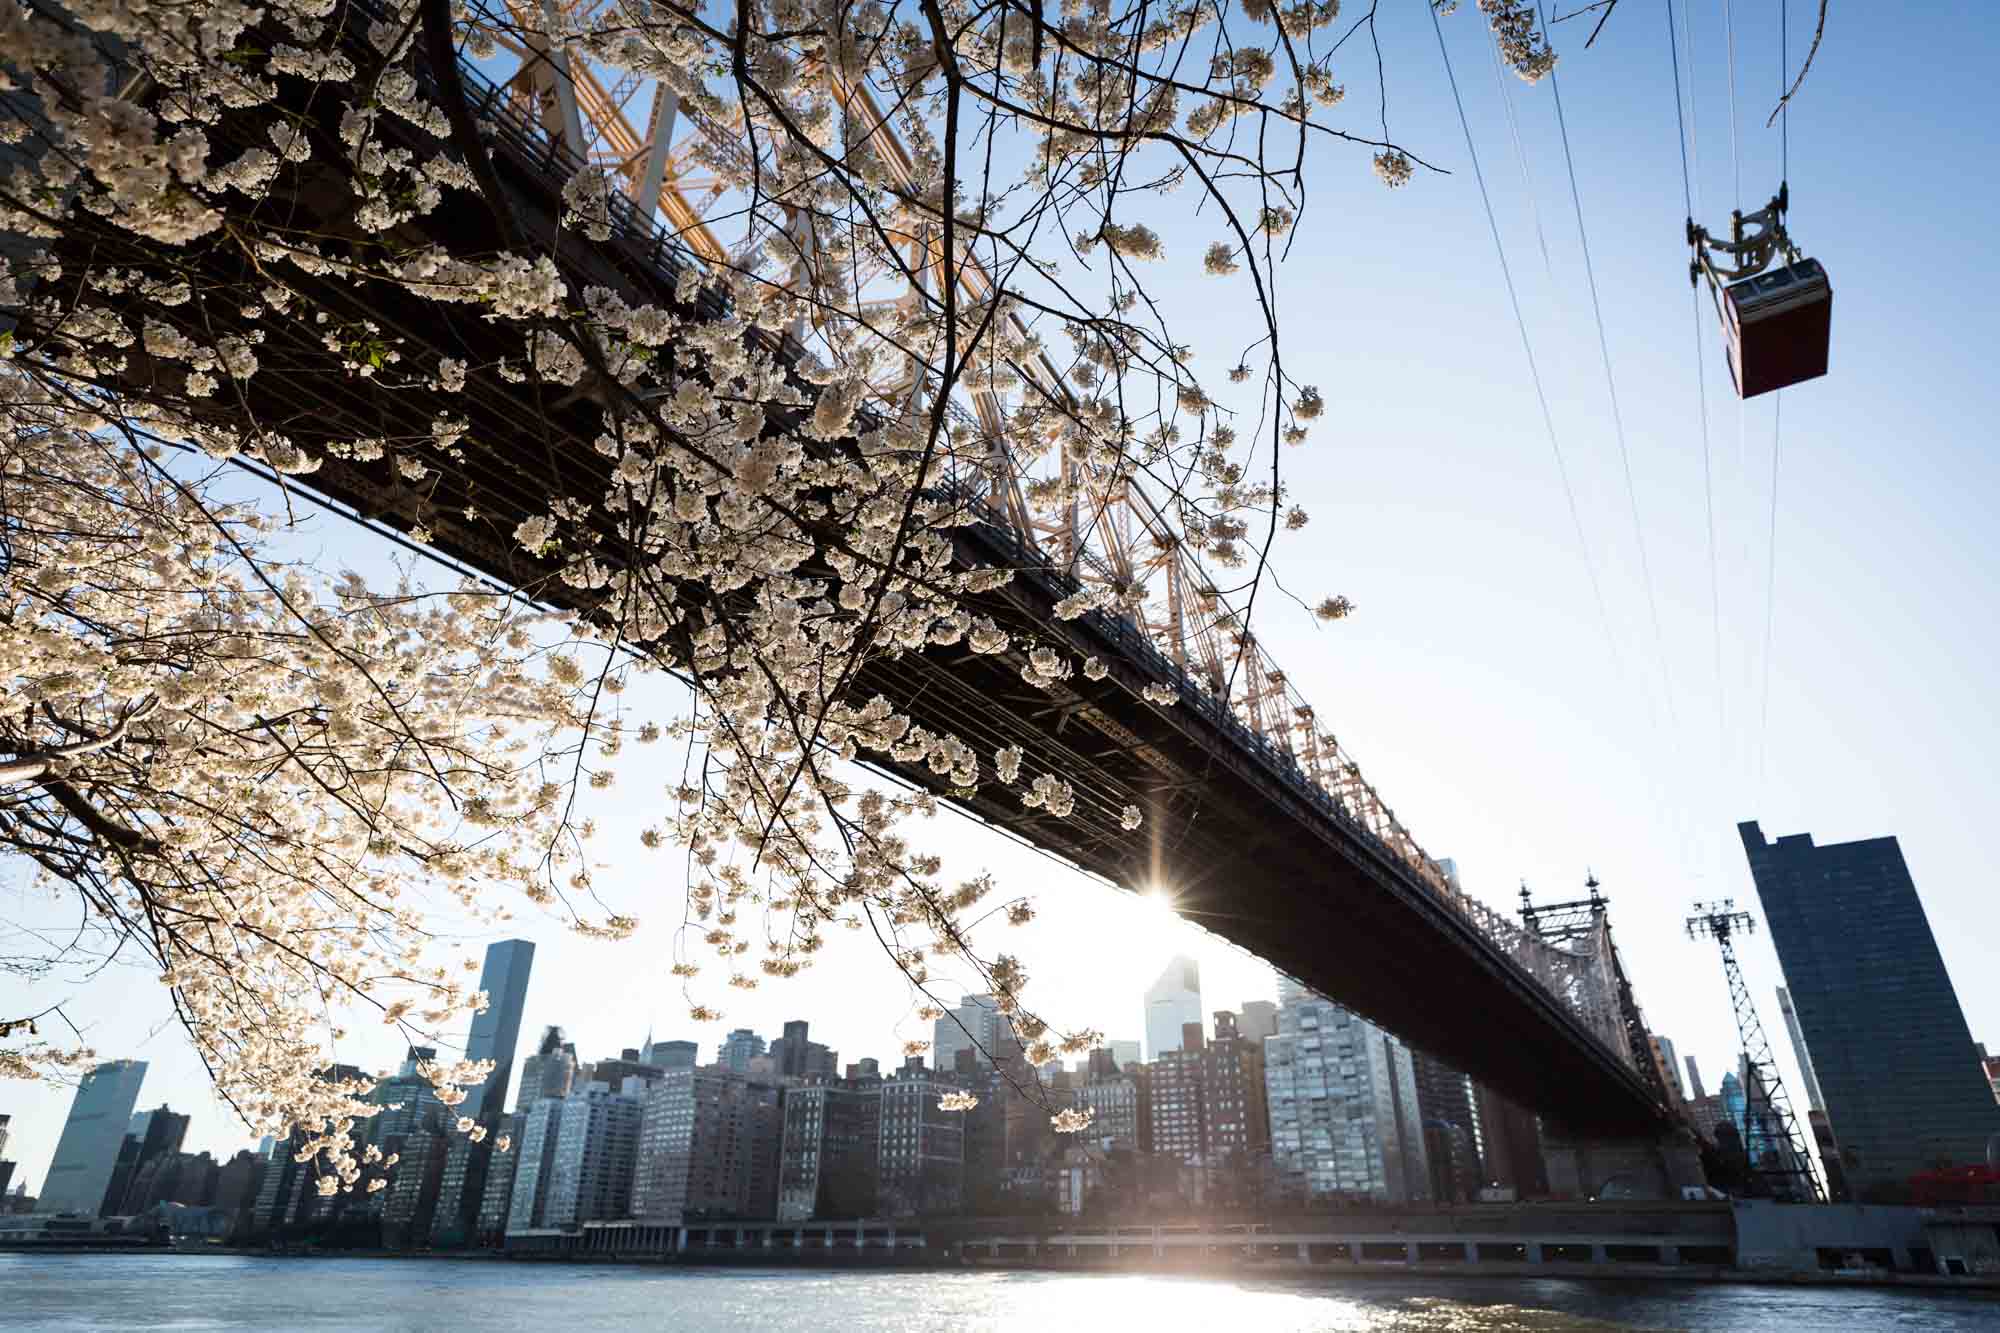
[(1768, 1123)]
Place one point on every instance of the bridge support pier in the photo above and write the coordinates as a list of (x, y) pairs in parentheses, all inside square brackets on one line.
[(1586, 1167)]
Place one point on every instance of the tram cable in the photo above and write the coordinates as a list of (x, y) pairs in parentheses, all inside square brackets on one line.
[(1735, 155), (1527, 346), (1693, 100), (1777, 406), (1611, 385), (1701, 391), (1521, 156)]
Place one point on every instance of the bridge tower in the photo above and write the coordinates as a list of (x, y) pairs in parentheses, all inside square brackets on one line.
[(1587, 1166), (1584, 925), (1768, 1122)]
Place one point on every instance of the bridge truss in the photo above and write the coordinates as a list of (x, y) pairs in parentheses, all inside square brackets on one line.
[(1112, 535)]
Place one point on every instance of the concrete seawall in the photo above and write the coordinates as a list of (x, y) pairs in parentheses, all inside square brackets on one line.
[(1706, 1240)]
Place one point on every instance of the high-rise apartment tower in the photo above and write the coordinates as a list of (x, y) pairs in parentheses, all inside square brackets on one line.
[(1888, 1043)]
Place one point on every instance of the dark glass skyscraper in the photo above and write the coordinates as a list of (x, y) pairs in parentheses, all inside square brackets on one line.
[(87, 1152), (1887, 1040), (496, 1031)]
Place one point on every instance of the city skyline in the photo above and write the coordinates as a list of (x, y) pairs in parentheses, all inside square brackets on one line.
[(1331, 1105), (221, 1141), (1483, 708)]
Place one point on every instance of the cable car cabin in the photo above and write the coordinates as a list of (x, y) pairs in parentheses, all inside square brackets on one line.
[(1778, 324)]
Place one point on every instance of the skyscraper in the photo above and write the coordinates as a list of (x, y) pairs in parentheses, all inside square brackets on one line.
[(409, 1203), (87, 1152), (795, 1056), (670, 1054), (1799, 1051), (409, 1104), (549, 1072), (1765, 1140), (287, 1185), (1205, 1102), (1172, 1003), (1829, 1156), (236, 1183), (460, 1185), (278, 1191), (1888, 1042), (975, 1025), (832, 1149), (708, 1145), (1695, 1090), (738, 1049), (149, 1136), (613, 1071), (497, 1031), (1451, 1129), (1343, 1099), (1179, 1122), (1259, 1019), (1112, 1098), (590, 1173), (541, 1129), (922, 1151), (1236, 1123), (496, 1195), (1669, 1065), (1734, 1103)]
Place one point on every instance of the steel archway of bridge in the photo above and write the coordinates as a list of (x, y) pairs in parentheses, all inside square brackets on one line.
[(1269, 838)]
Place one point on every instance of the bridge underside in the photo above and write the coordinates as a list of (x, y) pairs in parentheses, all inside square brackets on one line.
[(1253, 852)]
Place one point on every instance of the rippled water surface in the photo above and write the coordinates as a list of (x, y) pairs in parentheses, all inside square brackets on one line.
[(132, 1292)]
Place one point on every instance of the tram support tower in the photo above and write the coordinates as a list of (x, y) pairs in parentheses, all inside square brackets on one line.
[(1771, 1135)]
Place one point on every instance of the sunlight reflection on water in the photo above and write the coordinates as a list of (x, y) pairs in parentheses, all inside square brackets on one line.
[(1140, 1302)]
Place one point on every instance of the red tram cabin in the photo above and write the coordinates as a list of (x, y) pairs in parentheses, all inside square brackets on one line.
[(1776, 305)]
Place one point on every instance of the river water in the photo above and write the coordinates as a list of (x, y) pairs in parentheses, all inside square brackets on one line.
[(176, 1292)]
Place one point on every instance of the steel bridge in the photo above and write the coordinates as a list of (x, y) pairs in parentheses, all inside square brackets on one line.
[(1259, 821)]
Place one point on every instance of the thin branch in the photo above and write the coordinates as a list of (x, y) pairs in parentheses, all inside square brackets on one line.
[(1819, 31)]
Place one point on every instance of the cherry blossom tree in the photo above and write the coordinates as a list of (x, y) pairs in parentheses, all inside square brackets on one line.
[(253, 775), (288, 240)]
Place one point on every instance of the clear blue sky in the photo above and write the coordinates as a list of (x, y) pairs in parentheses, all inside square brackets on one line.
[(1510, 727)]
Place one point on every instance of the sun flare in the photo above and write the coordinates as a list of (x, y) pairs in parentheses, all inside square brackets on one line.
[(1157, 925)]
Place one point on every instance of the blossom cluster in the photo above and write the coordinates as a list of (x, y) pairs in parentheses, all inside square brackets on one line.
[(1524, 43)]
